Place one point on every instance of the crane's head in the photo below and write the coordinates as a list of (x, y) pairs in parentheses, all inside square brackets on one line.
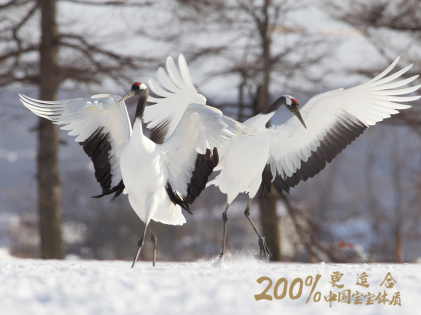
[(293, 106), (138, 89)]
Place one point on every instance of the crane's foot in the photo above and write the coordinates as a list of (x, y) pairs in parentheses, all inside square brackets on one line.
[(140, 245), (219, 261), (154, 240), (224, 234), (264, 249), (139, 248)]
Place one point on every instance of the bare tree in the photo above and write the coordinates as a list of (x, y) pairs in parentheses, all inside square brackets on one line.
[(393, 28), (55, 58), (49, 182)]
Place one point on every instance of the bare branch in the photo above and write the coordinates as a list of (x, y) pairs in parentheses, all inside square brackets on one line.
[(14, 3), (121, 3)]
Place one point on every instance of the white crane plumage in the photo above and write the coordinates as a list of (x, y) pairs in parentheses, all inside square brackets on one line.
[(159, 179), (287, 154)]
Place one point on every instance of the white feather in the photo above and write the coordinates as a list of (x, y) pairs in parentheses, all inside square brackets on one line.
[(368, 103), (171, 105), (82, 117)]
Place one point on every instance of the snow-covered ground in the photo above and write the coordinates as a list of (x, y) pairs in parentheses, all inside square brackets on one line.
[(202, 287)]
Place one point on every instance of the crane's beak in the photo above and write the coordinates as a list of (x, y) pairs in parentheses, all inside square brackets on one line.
[(297, 113), (130, 94)]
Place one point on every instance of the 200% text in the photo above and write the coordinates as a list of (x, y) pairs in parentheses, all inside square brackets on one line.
[(280, 289)]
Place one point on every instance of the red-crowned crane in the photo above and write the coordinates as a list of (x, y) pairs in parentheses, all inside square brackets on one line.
[(159, 179), (287, 154)]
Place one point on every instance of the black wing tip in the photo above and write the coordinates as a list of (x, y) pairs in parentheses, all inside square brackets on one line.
[(280, 185), (215, 157), (97, 146), (204, 165), (159, 132), (118, 190), (345, 131), (177, 199)]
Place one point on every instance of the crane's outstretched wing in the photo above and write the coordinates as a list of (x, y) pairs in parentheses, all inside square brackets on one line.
[(191, 152), (334, 119), (102, 127), (175, 92)]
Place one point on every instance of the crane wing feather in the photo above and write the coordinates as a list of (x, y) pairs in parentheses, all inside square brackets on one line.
[(101, 125), (191, 153), (334, 119), (174, 93), (185, 73)]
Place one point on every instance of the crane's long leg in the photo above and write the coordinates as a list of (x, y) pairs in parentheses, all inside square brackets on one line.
[(140, 244), (225, 220), (154, 240), (264, 250)]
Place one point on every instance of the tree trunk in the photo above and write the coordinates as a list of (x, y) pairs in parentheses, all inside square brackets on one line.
[(49, 182), (399, 246), (267, 203), (270, 224)]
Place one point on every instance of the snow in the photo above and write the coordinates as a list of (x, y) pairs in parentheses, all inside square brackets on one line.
[(201, 287)]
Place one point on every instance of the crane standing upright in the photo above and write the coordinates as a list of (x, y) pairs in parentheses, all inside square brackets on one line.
[(159, 179), (283, 155)]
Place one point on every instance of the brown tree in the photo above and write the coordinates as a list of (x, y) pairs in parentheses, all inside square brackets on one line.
[(49, 191), (55, 58)]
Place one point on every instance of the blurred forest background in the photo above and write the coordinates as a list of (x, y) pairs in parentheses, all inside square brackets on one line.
[(364, 207)]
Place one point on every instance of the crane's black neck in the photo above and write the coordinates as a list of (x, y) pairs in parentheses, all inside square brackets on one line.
[(275, 106), (141, 103)]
